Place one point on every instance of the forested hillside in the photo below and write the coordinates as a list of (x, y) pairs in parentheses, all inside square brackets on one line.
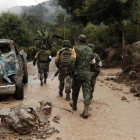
[(46, 10)]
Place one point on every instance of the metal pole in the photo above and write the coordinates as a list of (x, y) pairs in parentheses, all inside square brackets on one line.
[(64, 28)]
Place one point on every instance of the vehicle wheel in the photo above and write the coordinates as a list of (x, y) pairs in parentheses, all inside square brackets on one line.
[(19, 93), (25, 77)]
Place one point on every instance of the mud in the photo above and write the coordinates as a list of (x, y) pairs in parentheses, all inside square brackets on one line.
[(111, 118)]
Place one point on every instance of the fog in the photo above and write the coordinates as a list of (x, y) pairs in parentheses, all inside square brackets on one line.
[(5, 4)]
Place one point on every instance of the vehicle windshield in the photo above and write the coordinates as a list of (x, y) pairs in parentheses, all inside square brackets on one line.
[(5, 48)]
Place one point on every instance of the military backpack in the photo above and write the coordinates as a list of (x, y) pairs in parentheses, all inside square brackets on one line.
[(65, 57), (43, 56)]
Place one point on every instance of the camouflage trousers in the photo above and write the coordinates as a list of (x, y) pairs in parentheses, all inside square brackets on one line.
[(43, 73), (68, 83), (94, 75), (93, 83), (82, 80)]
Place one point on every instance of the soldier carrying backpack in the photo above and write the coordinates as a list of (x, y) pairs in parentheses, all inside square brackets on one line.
[(43, 59), (62, 62)]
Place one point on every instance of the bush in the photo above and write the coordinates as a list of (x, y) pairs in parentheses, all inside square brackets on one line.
[(54, 50), (31, 51)]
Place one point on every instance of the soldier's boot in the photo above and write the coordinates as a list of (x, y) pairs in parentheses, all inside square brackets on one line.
[(73, 105), (61, 93), (45, 81), (85, 112), (68, 97), (41, 82)]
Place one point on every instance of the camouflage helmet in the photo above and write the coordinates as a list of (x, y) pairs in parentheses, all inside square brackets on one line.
[(43, 46), (82, 38), (66, 43), (91, 46)]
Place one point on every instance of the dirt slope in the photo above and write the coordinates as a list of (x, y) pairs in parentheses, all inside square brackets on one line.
[(111, 118)]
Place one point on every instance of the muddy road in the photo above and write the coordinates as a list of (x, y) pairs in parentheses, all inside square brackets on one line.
[(111, 118)]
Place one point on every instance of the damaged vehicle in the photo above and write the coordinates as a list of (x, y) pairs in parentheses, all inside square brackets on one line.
[(13, 69)]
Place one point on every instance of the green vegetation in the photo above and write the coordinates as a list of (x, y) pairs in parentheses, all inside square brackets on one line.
[(106, 23)]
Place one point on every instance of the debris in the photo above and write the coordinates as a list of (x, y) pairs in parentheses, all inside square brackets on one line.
[(4, 112), (19, 121), (58, 138), (124, 98), (137, 95), (64, 109), (107, 78), (133, 90), (56, 118), (25, 120), (125, 92), (42, 118), (46, 107)]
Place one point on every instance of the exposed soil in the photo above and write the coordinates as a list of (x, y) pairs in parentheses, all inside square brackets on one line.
[(113, 117)]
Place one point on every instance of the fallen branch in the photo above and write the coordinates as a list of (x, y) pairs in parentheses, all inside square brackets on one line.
[(64, 109)]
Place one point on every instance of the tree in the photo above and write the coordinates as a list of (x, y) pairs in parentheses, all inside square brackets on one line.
[(35, 23), (46, 37), (13, 27), (107, 12)]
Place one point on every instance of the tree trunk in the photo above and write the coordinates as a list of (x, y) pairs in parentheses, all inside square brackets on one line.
[(123, 35)]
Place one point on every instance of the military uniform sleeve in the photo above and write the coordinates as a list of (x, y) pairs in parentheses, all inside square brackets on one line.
[(72, 60), (36, 56), (57, 60), (99, 60)]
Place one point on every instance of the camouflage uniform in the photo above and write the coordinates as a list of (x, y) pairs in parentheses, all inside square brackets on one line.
[(62, 61), (94, 69), (43, 59), (80, 69)]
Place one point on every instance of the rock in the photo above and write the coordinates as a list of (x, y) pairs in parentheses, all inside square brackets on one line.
[(19, 120), (124, 98), (42, 118), (56, 118), (4, 112), (41, 124), (47, 109)]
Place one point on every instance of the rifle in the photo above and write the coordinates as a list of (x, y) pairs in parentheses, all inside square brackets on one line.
[(56, 73)]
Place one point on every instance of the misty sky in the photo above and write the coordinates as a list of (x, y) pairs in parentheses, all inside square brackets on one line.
[(4, 4)]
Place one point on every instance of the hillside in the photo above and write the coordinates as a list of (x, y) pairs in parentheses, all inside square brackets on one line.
[(48, 13)]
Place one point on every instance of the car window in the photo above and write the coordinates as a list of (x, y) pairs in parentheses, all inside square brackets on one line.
[(5, 48)]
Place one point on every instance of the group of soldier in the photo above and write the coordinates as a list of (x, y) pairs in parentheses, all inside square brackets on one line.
[(78, 67)]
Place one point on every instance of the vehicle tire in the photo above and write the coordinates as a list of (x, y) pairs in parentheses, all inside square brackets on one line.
[(19, 93), (25, 77)]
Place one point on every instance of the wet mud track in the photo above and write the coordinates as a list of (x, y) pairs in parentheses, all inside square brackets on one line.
[(110, 117)]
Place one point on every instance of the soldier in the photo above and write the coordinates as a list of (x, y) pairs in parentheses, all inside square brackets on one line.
[(62, 62), (79, 68), (94, 68), (43, 59)]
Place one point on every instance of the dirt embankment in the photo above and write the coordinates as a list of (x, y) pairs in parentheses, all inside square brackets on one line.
[(112, 116)]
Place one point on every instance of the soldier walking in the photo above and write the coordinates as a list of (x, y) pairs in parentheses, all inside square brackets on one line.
[(95, 66), (80, 69), (43, 59), (62, 62)]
